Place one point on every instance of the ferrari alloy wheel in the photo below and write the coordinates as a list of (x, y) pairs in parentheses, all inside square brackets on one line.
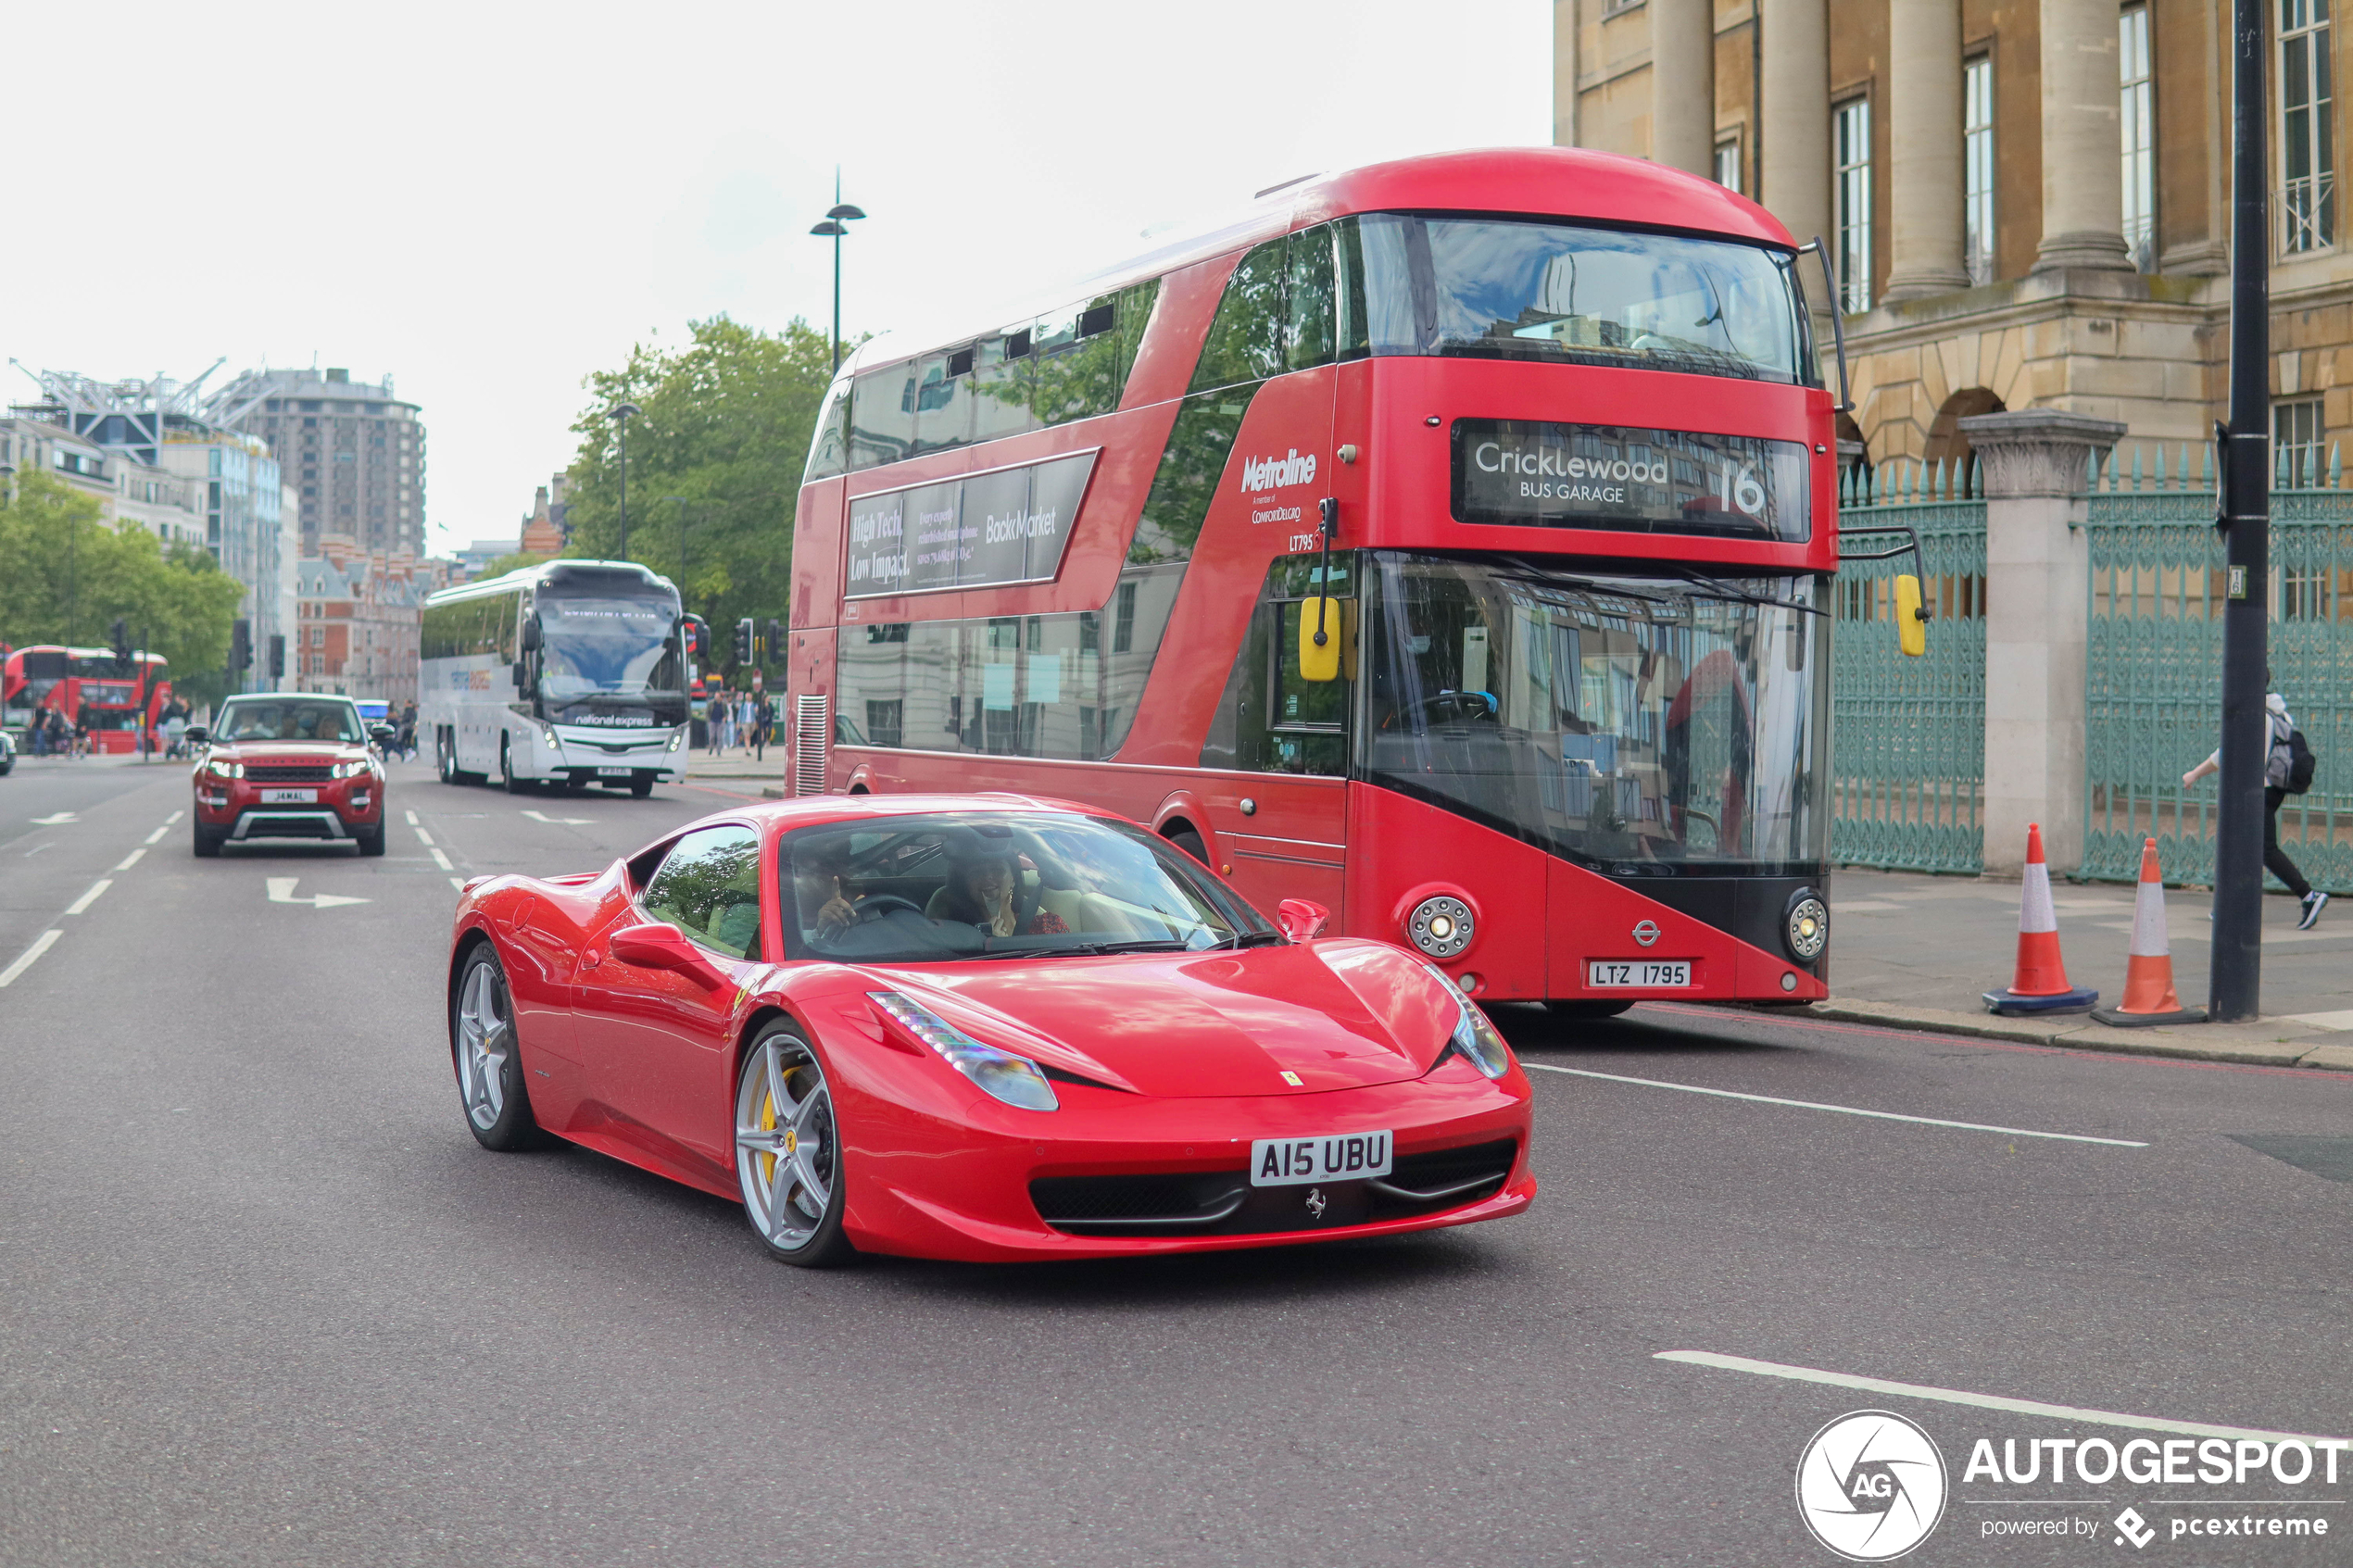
[(787, 1153), (482, 1037)]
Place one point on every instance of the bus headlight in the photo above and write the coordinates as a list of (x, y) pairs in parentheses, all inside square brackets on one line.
[(553, 744), (1441, 926), (1806, 926), (677, 738)]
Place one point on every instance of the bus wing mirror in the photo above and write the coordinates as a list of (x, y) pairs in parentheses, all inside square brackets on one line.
[(522, 674), (1319, 640), (531, 634), (1911, 617)]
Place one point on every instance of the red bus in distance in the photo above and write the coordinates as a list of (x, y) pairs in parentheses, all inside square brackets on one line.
[(65, 678), (1564, 412)]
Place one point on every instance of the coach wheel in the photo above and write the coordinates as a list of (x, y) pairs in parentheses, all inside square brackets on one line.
[(788, 1151), (507, 771), (445, 757), (1189, 842), (482, 1044), (640, 789)]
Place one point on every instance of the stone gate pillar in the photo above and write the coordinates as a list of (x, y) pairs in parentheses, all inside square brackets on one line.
[(2038, 579)]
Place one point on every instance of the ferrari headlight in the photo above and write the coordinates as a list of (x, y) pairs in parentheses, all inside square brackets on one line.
[(1014, 1079), (1474, 1036), (220, 769)]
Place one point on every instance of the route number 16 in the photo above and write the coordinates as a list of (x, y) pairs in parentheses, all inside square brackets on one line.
[(1740, 489)]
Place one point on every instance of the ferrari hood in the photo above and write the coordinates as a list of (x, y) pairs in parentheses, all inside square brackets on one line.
[(1335, 1014)]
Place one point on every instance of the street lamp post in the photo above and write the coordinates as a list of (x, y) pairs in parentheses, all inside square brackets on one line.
[(831, 229), (619, 414)]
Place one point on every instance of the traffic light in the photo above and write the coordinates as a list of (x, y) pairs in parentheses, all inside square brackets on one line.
[(745, 652), (122, 639), (697, 639), (776, 649), (240, 644), (278, 655)]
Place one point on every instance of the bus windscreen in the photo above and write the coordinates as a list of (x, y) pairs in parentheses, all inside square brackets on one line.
[(1567, 293), (606, 660), (1675, 722)]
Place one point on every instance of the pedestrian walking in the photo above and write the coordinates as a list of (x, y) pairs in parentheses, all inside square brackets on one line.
[(37, 734), (2278, 763)]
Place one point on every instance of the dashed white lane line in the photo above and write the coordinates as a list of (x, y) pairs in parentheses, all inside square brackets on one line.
[(157, 837), (131, 859), (90, 897), (1987, 1401), (1840, 1109), (173, 818), (459, 883), (40, 945), (439, 859), (424, 838), (411, 816)]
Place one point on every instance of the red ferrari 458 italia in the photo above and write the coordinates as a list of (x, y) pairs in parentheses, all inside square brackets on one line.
[(979, 1028)]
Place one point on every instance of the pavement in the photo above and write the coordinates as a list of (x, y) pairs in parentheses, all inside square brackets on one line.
[(263, 1300), (1921, 951)]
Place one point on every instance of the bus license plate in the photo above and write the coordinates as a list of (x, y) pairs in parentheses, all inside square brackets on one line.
[(1615, 974), (289, 796), (614, 773), (1344, 1157)]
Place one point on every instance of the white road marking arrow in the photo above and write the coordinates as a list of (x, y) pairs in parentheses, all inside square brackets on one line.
[(282, 891), (56, 818), (560, 821)]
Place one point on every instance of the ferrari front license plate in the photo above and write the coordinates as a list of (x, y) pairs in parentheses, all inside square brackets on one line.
[(289, 796), (613, 772), (1278, 1162), (1605, 975)]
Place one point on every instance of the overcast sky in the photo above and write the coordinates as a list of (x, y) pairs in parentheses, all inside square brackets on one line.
[(487, 201)]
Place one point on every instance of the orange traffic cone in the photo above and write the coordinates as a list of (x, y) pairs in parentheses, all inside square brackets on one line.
[(2040, 985), (2149, 997)]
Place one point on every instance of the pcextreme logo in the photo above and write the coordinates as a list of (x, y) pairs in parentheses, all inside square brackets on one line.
[(1870, 1485)]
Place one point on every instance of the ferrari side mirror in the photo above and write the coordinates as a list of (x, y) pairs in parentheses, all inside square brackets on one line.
[(1301, 919), (663, 946)]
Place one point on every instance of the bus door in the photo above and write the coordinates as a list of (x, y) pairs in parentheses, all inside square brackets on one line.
[(1278, 799)]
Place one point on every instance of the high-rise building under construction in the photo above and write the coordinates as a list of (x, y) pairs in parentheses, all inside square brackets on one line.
[(354, 453)]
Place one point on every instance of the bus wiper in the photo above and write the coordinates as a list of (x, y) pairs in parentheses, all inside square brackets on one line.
[(1245, 939), (1712, 588)]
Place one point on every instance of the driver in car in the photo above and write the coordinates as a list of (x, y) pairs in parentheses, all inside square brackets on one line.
[(818, 876)]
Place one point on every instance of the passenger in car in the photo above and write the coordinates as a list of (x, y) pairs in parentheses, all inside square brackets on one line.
[(980, 891)]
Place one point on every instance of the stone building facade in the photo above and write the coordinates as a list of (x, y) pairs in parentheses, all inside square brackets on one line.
[(359, 620), (2025, 202)]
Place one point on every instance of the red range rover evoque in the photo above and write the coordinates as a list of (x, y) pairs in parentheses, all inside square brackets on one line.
[(276, 766)]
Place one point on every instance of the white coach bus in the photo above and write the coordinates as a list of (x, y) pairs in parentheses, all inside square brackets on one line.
[(556, 676)]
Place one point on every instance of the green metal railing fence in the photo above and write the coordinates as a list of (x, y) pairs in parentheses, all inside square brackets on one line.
[(1908, 735), (2154, 672)]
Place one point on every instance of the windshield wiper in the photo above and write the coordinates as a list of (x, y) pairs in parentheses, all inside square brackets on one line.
[(1246, 939), (1085, 949)]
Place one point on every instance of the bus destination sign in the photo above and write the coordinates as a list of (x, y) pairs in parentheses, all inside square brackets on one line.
[(1533, 473), (980, 530)]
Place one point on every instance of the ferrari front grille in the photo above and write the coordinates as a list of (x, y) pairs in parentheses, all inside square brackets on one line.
[(1445, 1177), (1137, 1203)]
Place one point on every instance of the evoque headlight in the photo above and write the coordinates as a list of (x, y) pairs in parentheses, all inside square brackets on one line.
[(1014, 1079), (220, 769), (1474, 1036), (349, 769)]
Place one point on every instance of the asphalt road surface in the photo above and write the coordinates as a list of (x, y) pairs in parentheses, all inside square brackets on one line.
[(265, 1301)]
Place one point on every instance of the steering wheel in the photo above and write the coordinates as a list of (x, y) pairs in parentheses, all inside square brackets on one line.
[(882, 904), (1449, 707)]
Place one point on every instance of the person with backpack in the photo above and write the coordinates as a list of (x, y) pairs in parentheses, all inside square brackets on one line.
[(2287, 770)]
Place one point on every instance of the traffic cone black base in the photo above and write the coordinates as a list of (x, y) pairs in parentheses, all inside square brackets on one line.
[(2009, 1004), (2142, 1019)]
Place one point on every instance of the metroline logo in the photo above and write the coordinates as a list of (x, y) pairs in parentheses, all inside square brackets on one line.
[(1261, 474)]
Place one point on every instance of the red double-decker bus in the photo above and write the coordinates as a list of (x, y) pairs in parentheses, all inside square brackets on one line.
[(1567, 728), (66, 678)]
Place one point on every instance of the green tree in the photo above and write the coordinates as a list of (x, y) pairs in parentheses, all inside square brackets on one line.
[(726, 426), (65, 577)]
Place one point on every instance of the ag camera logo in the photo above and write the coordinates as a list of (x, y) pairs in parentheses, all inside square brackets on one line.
[(1870, 1485)]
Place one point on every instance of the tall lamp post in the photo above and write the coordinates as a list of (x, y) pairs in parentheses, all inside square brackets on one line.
[(831, 229), (619, 414)]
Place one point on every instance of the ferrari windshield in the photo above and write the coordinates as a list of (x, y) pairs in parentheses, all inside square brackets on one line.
[(287, 718), (1681, 722), (972, 884)]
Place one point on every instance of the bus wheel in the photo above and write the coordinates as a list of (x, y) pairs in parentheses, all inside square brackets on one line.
[(1583, 1008), (1185, 838), (507, 771)]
